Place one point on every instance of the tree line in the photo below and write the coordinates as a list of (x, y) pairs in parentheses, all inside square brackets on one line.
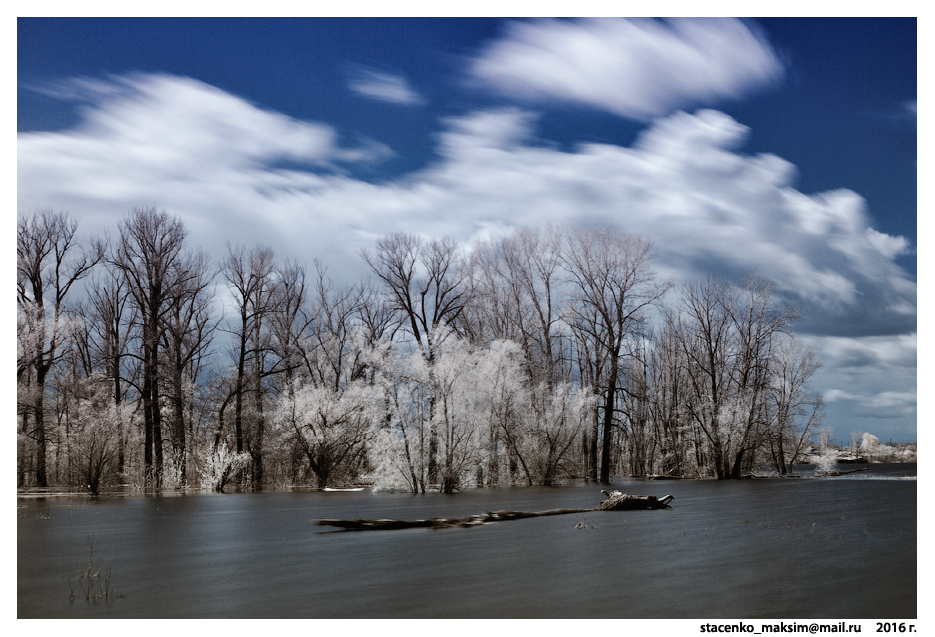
[(545, 355)]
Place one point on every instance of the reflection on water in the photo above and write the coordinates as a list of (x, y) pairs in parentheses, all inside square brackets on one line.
[(793, 548)]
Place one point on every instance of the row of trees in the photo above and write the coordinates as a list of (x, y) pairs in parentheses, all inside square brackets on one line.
[(545, 355)]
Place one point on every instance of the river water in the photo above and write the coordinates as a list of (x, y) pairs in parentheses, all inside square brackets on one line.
[(777, 548)]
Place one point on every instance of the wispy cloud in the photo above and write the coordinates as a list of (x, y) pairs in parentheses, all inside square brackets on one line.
[(155, 139), (636, 68), (384, 87), (868, 379)]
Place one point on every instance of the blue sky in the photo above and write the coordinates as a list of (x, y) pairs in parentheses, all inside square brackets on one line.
[(781, 146)]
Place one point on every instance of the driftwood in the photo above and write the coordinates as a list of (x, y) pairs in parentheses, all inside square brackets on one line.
[(834, 474), (615, 501)]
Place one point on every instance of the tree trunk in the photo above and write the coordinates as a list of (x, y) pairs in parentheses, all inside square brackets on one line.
[(608, 421), (42, 479), (148, 418), (178, 420), (257, 450), (592, 451), (118, 399)]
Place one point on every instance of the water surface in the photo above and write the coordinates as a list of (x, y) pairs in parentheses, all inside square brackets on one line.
[(789, 548)]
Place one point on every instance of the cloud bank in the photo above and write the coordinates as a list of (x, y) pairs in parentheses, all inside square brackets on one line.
[(236, 172), (639, 68)]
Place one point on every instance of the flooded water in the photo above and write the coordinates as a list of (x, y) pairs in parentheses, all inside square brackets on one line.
[(790, 548)]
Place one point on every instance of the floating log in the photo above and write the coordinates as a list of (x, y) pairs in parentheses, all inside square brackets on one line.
[(834, 474), (615, 501)]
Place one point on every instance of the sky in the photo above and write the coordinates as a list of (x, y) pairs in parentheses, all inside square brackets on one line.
[(784, 147)]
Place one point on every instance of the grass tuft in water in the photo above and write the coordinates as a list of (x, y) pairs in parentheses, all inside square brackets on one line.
[(93, 580)]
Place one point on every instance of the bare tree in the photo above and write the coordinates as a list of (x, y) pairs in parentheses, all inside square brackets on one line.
[(48, 264), (591, 359), (289, 320), (375, 316), (613, 285), (150, 256), (251, 277), (110, 320), (188, 332), (426, 282), (334, 357), (789, 401), (729, 335), (532, 261), (668, 395), (493, 312), (429, 287)]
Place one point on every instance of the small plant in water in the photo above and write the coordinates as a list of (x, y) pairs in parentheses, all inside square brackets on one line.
[(93, 580)]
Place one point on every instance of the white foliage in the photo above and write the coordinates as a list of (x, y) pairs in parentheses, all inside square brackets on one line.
[(172, 470), (322, 414), (392, 469), (332, 425), (478, 405), (219, 464), (869, 443), (827, 461)]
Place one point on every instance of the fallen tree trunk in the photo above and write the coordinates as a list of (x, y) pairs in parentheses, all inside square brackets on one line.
[(834, 474), (615, 501)]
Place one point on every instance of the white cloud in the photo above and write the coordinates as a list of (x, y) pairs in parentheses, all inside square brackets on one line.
[(384, 87), (177, 143), (888, 246), (876, 352), (637, 68), (217, 160), (869, 378)]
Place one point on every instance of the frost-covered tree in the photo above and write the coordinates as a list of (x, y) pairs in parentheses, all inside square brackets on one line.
[(332, 427), (218, 464), (487, 416), (543, 433), (730, 335), (793, 412), (48, 264), (462, 386), (450, 400), (428, 286), (90, 427)]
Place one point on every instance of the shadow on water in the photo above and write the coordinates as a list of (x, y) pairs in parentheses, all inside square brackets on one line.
[(798, 548)]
